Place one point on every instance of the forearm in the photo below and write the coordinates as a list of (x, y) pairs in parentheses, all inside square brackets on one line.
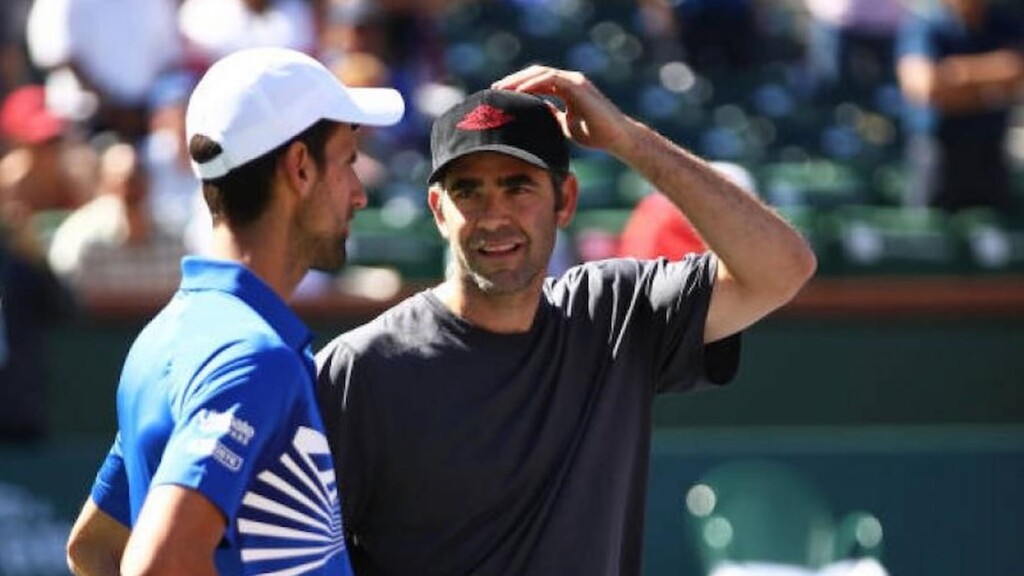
[(755, 242), (96, 543), (86, 564), (969, 82), (177, 532), (1000, 67), (763, 260)]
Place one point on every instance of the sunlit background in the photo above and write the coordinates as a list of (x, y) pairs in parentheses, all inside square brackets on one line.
[(877, 423)]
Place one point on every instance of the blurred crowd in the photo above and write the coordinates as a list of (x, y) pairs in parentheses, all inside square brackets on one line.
[(93, 163), (820, 104), (94, 94)]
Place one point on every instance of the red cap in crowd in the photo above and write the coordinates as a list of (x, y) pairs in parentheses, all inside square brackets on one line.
[(25, 118)]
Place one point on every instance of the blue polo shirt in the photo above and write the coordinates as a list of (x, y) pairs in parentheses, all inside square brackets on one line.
[(216, 395)]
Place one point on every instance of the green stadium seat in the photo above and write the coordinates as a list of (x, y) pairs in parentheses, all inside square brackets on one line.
[(754, 510), (814, 183), (408, 243), (894, 240), (598, 176), (995, 244), (761, 511)]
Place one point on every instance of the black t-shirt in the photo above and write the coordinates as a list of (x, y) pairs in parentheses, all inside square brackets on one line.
[(462, 451)]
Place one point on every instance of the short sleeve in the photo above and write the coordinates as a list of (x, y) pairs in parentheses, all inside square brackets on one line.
[(227, 420), (679, 293), (110, 489)]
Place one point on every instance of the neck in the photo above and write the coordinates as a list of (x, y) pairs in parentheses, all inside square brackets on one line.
[(501, 313), (263, 252)]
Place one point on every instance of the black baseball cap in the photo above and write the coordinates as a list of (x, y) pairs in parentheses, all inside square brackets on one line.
[(514, 123)]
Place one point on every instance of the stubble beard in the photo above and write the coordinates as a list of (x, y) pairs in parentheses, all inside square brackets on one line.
[(497, 283), (328, 254)]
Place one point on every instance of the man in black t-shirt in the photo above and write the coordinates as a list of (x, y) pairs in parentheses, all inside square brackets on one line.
[(500, 422)]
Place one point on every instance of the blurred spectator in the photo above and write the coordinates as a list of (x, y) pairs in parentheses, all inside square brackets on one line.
[(656, 228), (214, 28), (404, 38), (961, 68), (37, 168), (174, 191), (32, 300), (111, 243), (716, 35), (14, 66), (850, 44), (363, 69), (101, 58), (354, 26)]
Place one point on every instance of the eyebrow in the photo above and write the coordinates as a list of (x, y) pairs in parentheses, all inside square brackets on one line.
[(516, 180), (506, 182)]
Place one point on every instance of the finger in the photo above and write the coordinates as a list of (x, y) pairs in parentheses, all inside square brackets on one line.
[(512, 81), (544, 80), (560, 117)]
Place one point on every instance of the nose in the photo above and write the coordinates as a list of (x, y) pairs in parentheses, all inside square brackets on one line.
[(494, 209), (359, 198)]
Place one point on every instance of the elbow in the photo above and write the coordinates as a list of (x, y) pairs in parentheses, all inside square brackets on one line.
[(73, 555), (802, 267), (87, 557), (808, 265)]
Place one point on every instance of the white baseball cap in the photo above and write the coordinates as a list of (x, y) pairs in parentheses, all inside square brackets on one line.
[(253, 100)]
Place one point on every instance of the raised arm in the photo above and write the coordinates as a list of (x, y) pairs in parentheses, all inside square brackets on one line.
[(763, 261)]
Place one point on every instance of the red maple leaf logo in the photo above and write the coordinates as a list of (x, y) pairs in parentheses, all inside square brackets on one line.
[(484, 117)]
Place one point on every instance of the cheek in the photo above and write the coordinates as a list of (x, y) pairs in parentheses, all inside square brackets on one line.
[(450, 222), (340, 186)]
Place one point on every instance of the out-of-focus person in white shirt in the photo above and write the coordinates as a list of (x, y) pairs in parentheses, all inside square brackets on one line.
[(214, 28), (101, 57)]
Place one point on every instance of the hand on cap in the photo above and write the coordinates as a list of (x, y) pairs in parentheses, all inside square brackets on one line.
[(589, 119)]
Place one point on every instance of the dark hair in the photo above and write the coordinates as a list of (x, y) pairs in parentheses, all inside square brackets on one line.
[(558, 178), (242, 195)]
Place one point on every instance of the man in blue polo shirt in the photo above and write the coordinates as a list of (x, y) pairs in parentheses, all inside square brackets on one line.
[(220, 464)]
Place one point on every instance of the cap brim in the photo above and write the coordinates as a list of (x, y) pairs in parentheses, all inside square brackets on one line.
[(500, 148), (374, 107)]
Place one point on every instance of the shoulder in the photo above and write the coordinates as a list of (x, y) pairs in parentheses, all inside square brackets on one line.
[(619, 274), (395, 328), (600, 271), (232, 351)]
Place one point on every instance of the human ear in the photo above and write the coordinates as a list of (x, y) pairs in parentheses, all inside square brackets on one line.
[(434, 197), (570, 195), (298, 167)]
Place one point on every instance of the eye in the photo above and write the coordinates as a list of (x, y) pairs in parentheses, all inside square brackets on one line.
[(462, 194)]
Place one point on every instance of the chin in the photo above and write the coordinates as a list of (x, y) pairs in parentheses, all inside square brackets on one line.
[(500, 283), (330, 265)]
